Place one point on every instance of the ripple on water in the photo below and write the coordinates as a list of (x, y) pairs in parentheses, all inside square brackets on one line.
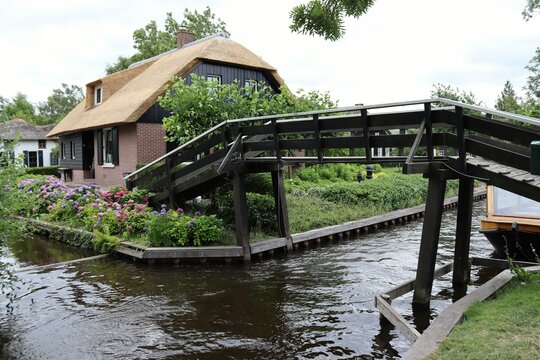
[(312, 304)]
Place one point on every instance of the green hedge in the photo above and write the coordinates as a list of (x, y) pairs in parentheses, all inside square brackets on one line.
[(44, 170)]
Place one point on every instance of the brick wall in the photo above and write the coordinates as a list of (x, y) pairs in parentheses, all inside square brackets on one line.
[(127, 157), (150, 142)]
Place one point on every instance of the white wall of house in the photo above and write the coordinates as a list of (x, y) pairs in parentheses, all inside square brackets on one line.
[(33, 148)]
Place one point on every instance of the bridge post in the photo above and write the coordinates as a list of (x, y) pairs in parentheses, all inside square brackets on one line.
[(241, 213), (463, 231), (170, 187), (430, 238), (282, 213)]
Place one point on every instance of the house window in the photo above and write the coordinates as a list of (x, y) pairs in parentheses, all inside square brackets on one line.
[(72, 149), (214, 78), (42, 144), (63, 150), (251, 84), (108, 147), (98, 95), (33, 158)]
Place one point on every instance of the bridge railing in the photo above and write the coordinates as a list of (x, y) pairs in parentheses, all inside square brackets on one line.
[(348, 134)]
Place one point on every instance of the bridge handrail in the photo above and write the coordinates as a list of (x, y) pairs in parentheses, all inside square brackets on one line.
[(174, 151), (285, 117)]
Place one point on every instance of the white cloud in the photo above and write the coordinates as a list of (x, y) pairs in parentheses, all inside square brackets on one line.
[(395, 52)]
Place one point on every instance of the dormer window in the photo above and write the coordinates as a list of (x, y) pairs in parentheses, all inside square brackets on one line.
[(98, 95)]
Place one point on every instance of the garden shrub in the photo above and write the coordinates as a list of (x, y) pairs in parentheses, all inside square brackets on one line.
[(207, 229), (44, 170), (262, 212), (260, 183)]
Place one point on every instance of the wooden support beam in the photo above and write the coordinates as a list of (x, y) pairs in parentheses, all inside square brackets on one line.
[(463, 231), (460, 132), (275, 134), (170, 186), (318, 141), (241, 213), (429, 131), (282, 212), (365, 124), (430, 240)]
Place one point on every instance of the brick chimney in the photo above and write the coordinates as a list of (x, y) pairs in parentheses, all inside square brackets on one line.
[(184, 37)]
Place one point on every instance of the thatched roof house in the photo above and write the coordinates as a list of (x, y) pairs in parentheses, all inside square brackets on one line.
[(119, 123), (20, 129), (129, 93), (32, 142)]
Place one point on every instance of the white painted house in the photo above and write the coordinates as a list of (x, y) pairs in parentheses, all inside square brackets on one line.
[(32, 142)]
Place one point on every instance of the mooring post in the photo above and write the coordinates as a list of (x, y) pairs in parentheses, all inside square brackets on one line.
[(282, 213), (463, 231), (241, 213), (430, 238)]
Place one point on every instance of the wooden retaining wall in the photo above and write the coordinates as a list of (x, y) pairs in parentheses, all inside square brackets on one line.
[(227, 254), (269, 247)]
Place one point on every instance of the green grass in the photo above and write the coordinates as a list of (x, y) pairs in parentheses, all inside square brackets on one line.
[(507, 327), (313, 206)]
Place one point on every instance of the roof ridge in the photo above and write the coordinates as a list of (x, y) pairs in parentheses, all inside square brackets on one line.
[(198, 41)]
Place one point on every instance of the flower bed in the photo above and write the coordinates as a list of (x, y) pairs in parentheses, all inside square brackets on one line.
[(115, 213)]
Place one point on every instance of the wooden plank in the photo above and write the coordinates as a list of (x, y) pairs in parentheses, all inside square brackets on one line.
[(266, 245), (499, 263), (365, 133), (404, 288), (416, 143), (516, 134), (495, 153), (396, 319), (429, 131), (451, 316), (318, 145), (460, 135), (193, 252)]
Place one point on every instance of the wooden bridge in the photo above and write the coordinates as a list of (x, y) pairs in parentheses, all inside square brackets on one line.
[(458, 141)]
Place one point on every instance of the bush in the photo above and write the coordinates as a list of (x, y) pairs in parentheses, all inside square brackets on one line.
[(262, 213), (259, 183), (173, 228), (207, 229), (44, 170)]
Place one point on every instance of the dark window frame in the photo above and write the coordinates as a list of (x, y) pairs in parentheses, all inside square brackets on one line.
[(42, 144)]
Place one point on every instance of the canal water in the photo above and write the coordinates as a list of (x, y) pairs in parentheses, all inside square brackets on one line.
[(315, 304)]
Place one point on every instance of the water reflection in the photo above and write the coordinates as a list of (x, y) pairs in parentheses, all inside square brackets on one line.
[(313, 304)]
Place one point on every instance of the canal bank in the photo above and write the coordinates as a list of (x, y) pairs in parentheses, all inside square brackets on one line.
[(261, 249), (310, 304)]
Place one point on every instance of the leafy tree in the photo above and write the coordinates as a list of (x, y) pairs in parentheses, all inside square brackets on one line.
[(19, 108), (203, 24), (530, 8), (325, 17), (533, 80), (61, 102), (151, 41), (456, 94), (202, 104), (508, 100)]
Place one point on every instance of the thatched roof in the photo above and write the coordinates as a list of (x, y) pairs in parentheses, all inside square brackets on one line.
[(19, 128), (141, 85)]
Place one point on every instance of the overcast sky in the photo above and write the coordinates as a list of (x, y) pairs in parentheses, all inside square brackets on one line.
[(396, 52)]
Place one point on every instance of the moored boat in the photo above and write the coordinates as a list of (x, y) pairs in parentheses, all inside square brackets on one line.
[(512, 224)]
